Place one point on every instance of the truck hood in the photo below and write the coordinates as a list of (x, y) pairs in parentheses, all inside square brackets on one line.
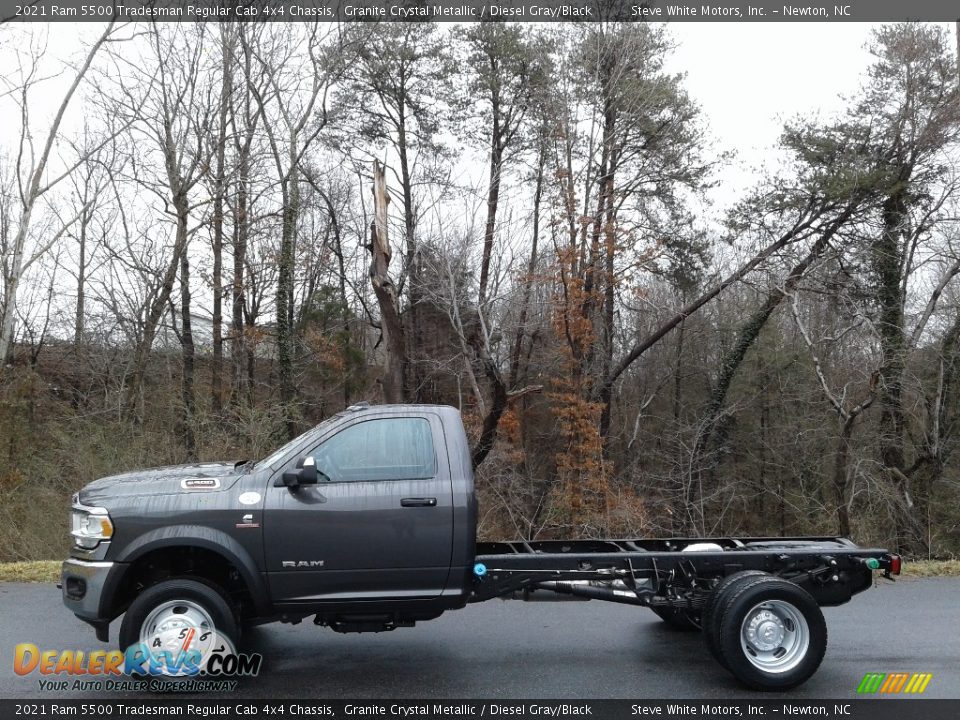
[(170, 480)]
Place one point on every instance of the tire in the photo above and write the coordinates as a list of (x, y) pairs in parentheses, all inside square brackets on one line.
[(180, 603), (713, 609), (772, 633), (678, 619)]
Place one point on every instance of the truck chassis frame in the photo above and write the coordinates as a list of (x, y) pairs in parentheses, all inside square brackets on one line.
[(664, 573), (756, 600)]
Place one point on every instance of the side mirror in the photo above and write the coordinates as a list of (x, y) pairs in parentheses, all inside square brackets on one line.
[(305, 474)]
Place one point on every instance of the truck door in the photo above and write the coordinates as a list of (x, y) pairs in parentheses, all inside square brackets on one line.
[(377, 525)]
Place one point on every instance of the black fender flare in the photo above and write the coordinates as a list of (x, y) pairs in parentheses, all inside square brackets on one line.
[(199, 536)]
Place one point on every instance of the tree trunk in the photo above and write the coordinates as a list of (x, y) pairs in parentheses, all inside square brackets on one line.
[(79, 317), (678, 375), (841, 463), (226, 88), (152, 320), (761, 488), (591, 266), (285, 278), (391, 325), (10, 286), (498, 404), (531, 269), (342, 281), (750, 330), (648, 341), (411, 365), (240, 232), (186, 341), (887, 264), (609, 297), (493, 199)]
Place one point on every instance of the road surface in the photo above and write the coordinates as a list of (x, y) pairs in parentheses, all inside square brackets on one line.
[(516, 650)]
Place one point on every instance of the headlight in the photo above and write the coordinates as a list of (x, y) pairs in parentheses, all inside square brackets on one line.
[(89, 525)]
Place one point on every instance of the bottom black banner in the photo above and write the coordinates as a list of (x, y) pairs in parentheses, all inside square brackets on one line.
[(180, 706)]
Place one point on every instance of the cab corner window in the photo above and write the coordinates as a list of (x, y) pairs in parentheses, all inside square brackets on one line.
[(384, 449)]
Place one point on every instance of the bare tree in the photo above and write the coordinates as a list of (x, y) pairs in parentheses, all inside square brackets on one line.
[(228, 51), (89, 183), (172, 111), (295, 99), (507, 67), (914, 103), (34, 175), (245, 115), (847, 412), (392, 95), (385, 290)]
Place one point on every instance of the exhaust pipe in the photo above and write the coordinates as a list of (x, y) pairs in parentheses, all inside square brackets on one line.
[(590, 591)]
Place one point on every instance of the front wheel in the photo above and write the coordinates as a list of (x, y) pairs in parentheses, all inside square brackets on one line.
[(772, 633), (176, 625)]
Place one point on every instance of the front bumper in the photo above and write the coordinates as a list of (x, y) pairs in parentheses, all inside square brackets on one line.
[(83, 584)]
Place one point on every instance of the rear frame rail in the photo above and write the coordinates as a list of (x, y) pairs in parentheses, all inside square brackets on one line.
[(658, 573)]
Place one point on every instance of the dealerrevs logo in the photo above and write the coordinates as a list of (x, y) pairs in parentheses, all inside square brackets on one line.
[(183, 655)]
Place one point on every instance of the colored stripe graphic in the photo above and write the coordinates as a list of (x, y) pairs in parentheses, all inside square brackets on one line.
[(889, 682), (898, 685), (894, 683), (870, 683)]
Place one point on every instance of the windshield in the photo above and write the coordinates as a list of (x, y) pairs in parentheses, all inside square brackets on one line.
[(284, 450)]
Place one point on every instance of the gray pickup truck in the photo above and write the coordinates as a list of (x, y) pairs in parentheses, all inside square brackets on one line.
[(367, 523)]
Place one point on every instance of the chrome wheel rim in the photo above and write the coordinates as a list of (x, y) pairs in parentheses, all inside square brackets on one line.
[(171, 624), (774, 636)]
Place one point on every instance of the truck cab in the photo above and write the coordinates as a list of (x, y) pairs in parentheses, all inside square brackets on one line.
[(377, 506), (367, 521)]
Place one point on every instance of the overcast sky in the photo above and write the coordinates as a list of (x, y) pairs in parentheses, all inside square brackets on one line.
[(750, 77), (747, 77)]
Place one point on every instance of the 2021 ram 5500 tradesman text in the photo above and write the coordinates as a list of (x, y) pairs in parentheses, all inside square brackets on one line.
[(367, 522)]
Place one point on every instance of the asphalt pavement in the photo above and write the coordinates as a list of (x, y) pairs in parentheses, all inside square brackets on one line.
[(517, 650)]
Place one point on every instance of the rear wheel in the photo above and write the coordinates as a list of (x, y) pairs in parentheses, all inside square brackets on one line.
[(714, 608), (772, 633)]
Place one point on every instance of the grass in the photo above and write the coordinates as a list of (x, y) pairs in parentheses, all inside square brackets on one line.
[(48, 571), (33, 571), (931, 568)]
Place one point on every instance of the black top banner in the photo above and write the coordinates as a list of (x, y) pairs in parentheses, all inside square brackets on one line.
[(476, 10)]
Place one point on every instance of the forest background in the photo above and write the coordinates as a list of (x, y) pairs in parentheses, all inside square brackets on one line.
[(192, 268)]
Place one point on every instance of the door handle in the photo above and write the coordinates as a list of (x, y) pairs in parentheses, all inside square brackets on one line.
[(418, 502)]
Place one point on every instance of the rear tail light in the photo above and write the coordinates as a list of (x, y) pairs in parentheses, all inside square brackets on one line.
[(895, 564)]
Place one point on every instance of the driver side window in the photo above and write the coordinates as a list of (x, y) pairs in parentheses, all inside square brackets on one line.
[(382, 449)]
